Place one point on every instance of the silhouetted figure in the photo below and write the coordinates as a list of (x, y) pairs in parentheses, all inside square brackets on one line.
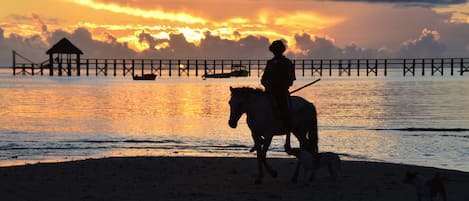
[(278, 76)]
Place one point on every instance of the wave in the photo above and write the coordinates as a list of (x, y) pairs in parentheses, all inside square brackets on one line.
[(132, 144), (413, 129), (52, 148), (125, 141), (443, 135)]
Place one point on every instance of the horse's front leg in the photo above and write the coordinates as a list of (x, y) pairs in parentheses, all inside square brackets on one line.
[(297, 171), (258, 147), (265, 148), (287, 145)]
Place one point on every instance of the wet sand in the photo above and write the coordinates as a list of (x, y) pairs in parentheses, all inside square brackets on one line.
[(224, 179)]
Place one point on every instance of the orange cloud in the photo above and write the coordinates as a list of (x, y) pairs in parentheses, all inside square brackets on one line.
[(137, 12), (459, 13), (306, 21)]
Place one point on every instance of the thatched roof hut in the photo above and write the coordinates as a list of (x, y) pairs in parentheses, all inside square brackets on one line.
[(64, 46), (67, 57)]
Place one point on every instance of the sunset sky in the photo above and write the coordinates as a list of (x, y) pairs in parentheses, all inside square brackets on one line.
[(236, 28)]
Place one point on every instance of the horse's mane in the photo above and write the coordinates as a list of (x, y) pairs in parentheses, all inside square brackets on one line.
[(242, 91)]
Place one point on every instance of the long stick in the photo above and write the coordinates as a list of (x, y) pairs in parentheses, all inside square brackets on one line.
[(306, 85)]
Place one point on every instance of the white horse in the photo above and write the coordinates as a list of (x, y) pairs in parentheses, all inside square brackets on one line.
[(264, 123)]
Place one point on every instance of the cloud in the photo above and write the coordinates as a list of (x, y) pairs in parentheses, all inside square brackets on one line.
[(410, 2), (146, 38), (34, 47), (157, 14), (250, 47), (427, 45), (19, 18), (41, 23), (177, 47), (321, 47), (4, 57), (91, 48)]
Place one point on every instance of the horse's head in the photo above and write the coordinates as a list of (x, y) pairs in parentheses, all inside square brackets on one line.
[(239, 103), (237, 106)]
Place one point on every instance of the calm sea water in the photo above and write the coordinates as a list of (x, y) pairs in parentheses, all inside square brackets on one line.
[(411, 120)]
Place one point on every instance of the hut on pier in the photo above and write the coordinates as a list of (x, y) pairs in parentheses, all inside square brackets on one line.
[(64, 56)]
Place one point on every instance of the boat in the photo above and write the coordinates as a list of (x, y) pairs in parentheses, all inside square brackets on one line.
[(217, 75), (239, 73), (236, 71), (145, 77)]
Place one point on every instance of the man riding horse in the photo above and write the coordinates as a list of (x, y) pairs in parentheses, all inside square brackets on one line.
[(262, 110), (278, 76)]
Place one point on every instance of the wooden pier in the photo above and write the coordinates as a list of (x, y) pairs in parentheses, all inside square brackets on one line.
[(201, 67), (65, 60)]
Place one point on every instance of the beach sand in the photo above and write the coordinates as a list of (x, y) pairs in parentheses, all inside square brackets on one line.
[(200, 178)]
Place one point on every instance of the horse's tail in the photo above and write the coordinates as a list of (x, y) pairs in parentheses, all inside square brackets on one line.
[(313, 130)]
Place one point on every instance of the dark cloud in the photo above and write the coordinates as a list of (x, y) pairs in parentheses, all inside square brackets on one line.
[(4, 58), (91, 48), (249, 47), (110, 38), (427, 45), (317, 47), (455, 38), (150, 40), (177, 47), (33, 47)]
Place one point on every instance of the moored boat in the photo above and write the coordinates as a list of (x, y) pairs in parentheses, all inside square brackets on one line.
[(145, 77)]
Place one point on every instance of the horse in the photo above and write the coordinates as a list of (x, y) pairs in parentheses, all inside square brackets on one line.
[(263, 121)]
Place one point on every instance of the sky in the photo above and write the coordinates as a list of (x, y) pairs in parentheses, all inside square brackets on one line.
[(236, 29)]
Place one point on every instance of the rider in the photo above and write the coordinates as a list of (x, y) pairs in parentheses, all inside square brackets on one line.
[(278, 76)]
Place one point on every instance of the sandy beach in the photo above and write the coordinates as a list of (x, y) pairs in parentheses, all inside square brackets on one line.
[(194, 178)]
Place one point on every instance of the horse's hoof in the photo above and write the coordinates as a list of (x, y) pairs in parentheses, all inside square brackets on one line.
[(287, 147), (274, 174)]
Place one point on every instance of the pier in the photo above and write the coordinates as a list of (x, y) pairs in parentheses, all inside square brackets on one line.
[(65, 60), (200, 67)]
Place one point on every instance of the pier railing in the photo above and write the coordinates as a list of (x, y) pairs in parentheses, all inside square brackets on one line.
[(200, 67)]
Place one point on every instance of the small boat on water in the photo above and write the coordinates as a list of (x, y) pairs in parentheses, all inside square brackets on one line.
[(239, 73), (236, 71), (145, 77)]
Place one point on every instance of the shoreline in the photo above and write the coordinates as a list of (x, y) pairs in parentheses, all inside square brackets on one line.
[(213, 178)]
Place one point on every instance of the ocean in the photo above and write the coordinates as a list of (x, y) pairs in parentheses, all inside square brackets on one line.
[(410, 120)]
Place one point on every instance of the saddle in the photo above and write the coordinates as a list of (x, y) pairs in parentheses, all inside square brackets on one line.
[(281, 116)]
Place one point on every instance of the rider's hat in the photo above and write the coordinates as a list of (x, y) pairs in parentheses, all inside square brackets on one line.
[(277, 47)]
